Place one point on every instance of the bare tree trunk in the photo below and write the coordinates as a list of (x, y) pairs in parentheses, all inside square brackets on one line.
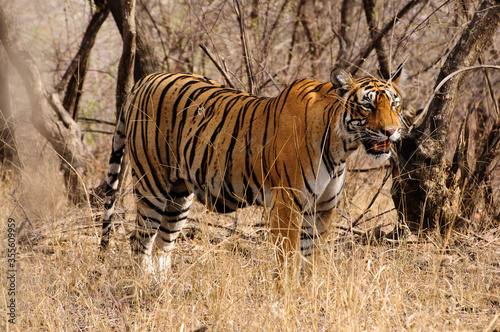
[(75, 74), (294, 32), (63, 134), (127, 60), (146, 61), (125, 80), (475, 177), (420, 190), (380, 45), (346, 32), (315, 48), (9, 157)]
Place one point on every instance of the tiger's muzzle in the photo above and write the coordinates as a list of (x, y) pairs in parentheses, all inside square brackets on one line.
[(381, 144)]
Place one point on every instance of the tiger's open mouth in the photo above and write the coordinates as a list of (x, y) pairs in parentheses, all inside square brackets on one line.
[(378, 147)]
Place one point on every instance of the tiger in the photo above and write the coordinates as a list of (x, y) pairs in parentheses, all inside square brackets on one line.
[(189, 137)]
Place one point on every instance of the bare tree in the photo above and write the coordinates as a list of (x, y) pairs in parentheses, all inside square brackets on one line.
[(346, 34), (247, 54), (137, 57), (74, 76), (62, 132), (146, 61), (423, 190), (377, 36), (314, 47), (126, 67), (381, 44)]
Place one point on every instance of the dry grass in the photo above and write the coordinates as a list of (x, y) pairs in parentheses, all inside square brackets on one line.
[(221, 279)]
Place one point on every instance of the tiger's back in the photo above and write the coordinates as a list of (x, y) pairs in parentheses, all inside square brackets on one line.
[(224, 144)]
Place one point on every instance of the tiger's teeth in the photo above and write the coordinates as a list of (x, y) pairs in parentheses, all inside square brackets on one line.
[(382, 146)]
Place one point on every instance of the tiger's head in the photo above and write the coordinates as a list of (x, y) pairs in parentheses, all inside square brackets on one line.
[(372, 112)]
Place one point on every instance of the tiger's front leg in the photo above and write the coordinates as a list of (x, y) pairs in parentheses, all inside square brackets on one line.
[(296, 236), (315, 228), (286, 223)]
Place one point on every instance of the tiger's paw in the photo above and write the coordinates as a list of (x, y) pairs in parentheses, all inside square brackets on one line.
[(155, 266)]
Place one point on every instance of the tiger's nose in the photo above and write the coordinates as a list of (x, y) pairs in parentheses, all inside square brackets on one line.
[(388, 131)]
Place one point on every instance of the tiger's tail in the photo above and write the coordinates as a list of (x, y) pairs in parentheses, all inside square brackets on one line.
[(112, 180)]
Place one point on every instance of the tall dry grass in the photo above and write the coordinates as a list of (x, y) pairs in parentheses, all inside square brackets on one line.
[(221, 276)]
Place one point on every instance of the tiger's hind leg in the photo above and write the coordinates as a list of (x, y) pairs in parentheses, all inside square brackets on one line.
[(174, 219), (149, 215), (159, 222)]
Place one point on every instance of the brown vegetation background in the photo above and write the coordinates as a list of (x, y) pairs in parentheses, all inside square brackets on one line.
[(221, 277)]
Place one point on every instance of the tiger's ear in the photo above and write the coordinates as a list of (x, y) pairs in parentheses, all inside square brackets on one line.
[(398, 76), (341, 79)]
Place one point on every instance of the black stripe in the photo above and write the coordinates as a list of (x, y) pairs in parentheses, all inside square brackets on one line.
[(175, 213), (292, 192), (314, 236), (309, 146), (148, 203), (168, 231), (160, 110)]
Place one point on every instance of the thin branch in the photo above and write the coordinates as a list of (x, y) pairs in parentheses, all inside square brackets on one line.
[(23, 209), (97, 131), (490, 89), (230, 72), (421, 116), (384, 181), (366, 170), (367, 50), (219, 67), (271, 78), (109, 123), (247, 58), (74, 76), (380, 214), (314, 46), (407, 37), (266, 35), (208, 31)]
